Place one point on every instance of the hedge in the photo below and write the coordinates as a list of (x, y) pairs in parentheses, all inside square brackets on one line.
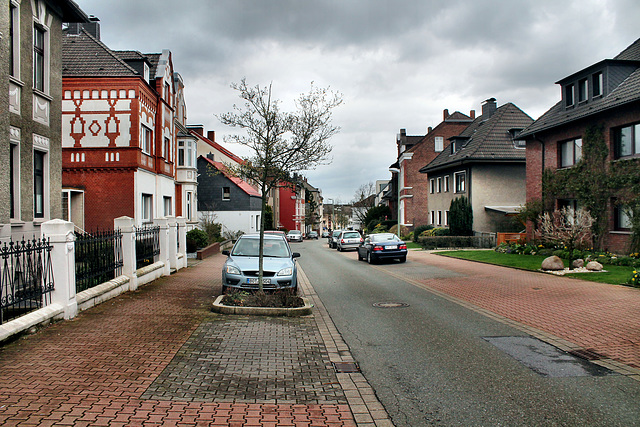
[(436, 242)]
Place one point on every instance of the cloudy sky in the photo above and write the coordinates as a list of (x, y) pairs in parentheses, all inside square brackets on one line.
[(398, 63)]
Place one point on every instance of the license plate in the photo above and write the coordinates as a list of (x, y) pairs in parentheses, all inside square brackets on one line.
[(254, 281), (392, 247)]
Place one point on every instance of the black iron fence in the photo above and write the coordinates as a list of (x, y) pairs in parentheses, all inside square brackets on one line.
[(147, 245), (98, 258), (27, 278)]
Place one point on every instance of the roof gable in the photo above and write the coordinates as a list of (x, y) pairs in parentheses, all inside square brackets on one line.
[(487, 140), (85, 56), (243, 185)]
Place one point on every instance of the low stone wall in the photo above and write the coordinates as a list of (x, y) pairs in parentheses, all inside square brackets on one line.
[(213, 249)]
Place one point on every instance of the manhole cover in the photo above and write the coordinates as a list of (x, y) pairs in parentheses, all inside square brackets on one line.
[(390, 304), (346, 367)]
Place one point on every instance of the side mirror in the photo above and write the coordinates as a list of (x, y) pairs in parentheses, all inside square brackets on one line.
[(226, 252), (295, 255)]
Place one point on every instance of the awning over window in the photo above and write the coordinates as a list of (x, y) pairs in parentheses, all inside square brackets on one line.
[(506, 210)]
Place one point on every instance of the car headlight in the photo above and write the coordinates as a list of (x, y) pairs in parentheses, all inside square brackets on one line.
[(286, 272), (230, 269)]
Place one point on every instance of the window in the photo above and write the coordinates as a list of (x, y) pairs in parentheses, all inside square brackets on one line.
[(432, 186), (433, 217), (146, 140), (569, 95), (14, 179), (190, 153), (189, 202), (439, 186), (627, 141), (39, 159), (446, 184), (226, 193), (167, 93), (570, 152), (180, 153), (583, 90), (597, 84), (439, 144), (166, 149), (166, 201), (446, 218), (622, 217), (147, 207), (459, 181), (439, 217), (38, 58), (14, 35)]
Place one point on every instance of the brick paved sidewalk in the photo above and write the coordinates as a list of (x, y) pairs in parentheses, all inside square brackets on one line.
[(159, 356), (571, 314)]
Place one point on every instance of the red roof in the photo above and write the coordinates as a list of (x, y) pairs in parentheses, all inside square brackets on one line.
[(243, 185)]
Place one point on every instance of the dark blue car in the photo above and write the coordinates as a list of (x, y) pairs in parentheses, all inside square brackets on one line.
[(381, 246)]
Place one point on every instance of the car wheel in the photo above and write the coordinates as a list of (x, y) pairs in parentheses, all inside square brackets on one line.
[(369, 258), (339, 248), (359, 257), (403, 259)]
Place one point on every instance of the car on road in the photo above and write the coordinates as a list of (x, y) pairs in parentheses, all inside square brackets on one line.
[(379, 246), (240, 271), (333, 238), (325, 234), (348, 239), (294, 236), (312, 235)]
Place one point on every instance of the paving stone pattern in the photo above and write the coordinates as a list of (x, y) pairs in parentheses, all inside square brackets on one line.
[(251, 360)]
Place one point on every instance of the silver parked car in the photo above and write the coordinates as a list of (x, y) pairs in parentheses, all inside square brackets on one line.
[(240, 270), (348, 239), (294, 236)]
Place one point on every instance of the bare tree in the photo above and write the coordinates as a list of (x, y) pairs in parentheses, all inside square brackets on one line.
[(567, 227), (363, 200), (281, 143)]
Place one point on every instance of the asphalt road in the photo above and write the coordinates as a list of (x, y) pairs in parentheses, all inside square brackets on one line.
[(434, 362)]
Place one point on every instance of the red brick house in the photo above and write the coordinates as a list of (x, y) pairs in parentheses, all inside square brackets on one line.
[(605, 95), (123, 117), (415, 152)]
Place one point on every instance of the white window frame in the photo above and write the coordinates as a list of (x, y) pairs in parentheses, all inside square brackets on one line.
[(439, 217), (460, 184), (189, 205), (166, 148), (45, 186), (438, 143), (181, 153), (439, 184), (432, 186), (570, 95), (575, 146), (446, 184), (146, 207), (190, 154), (583, 90), (146, 140), (433, 217), (446, 218), (14, 49), (597, 84), (226, 195), (167, 204), (14, 153)]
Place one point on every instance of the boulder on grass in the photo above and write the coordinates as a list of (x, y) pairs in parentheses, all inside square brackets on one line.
[(594, 266), (552, 263), (577, 263)]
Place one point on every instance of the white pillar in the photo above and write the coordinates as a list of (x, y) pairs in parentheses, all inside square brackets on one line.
[(182, 238), (63, 260), (126, 226), (173, 243), (163, 223)]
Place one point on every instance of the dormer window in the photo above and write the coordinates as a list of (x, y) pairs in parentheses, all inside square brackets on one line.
[(146, 72), (583, 90), (569, 91), (597, 84)]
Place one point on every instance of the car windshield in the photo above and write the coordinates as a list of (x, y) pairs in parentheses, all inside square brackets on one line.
[(294, 232), (250, 247), (336, 233), (384, 237), (351, 235)]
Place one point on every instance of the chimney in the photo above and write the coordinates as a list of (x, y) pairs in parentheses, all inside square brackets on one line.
[(211, 135), (210, 156), (445, 114), (488, 108), (472, 114), (429, 129), (92, 27), (199, 129)]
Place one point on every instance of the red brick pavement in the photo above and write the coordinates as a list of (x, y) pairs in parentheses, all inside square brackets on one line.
[(93, 370), (600, 317)]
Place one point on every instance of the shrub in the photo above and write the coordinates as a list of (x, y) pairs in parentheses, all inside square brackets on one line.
[(435, 242), (196, 239), (634, 280), (461, 217), (419, 230)]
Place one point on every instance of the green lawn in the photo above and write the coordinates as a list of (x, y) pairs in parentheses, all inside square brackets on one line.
[(413, 245), (615, 275)]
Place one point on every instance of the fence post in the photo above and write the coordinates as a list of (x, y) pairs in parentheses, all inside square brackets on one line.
[(63, 261), (126, 226), (182, 237), (163, 223), (173, 243)]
